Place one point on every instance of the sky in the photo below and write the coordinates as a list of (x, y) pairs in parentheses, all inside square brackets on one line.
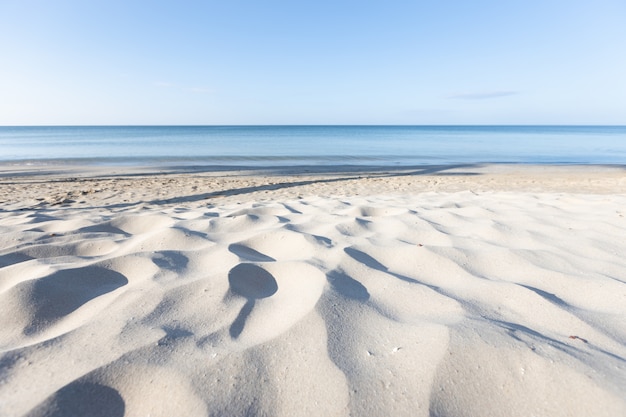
[(235, 62)]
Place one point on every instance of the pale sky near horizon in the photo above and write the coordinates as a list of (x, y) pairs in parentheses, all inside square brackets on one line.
[(324, 62)]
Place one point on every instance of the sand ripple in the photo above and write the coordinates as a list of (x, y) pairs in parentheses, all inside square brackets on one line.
[(435, 304)]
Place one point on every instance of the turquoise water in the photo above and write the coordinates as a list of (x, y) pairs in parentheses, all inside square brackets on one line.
[(266, 146)]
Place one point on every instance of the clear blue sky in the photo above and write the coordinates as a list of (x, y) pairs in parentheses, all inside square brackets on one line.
[(312, 62)]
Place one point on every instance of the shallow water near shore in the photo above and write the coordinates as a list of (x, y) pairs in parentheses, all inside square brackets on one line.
[(262, 146)]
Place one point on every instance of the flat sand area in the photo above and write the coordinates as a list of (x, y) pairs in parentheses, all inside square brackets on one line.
[(433, 291)]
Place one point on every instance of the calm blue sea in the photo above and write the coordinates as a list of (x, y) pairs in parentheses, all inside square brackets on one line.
[(266, 146)]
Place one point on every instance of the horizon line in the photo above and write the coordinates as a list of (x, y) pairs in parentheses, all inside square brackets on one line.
[(321, 125)]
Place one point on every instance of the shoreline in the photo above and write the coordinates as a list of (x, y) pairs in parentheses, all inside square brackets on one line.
[(10, 169), (87, 186)]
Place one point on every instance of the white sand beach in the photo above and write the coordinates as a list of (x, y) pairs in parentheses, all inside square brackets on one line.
[(438, 291)]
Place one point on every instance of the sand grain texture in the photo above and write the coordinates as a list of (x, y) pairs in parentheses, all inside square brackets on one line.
[(338, 296)]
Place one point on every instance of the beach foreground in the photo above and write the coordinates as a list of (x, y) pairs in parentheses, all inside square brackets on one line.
[(450, 291)]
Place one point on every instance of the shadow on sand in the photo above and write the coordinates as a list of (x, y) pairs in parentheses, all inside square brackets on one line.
[(348, 173)]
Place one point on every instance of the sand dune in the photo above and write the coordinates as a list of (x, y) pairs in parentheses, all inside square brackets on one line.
[(443, 303)]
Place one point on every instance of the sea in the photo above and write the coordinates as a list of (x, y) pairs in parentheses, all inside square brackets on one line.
[(293, 146)]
